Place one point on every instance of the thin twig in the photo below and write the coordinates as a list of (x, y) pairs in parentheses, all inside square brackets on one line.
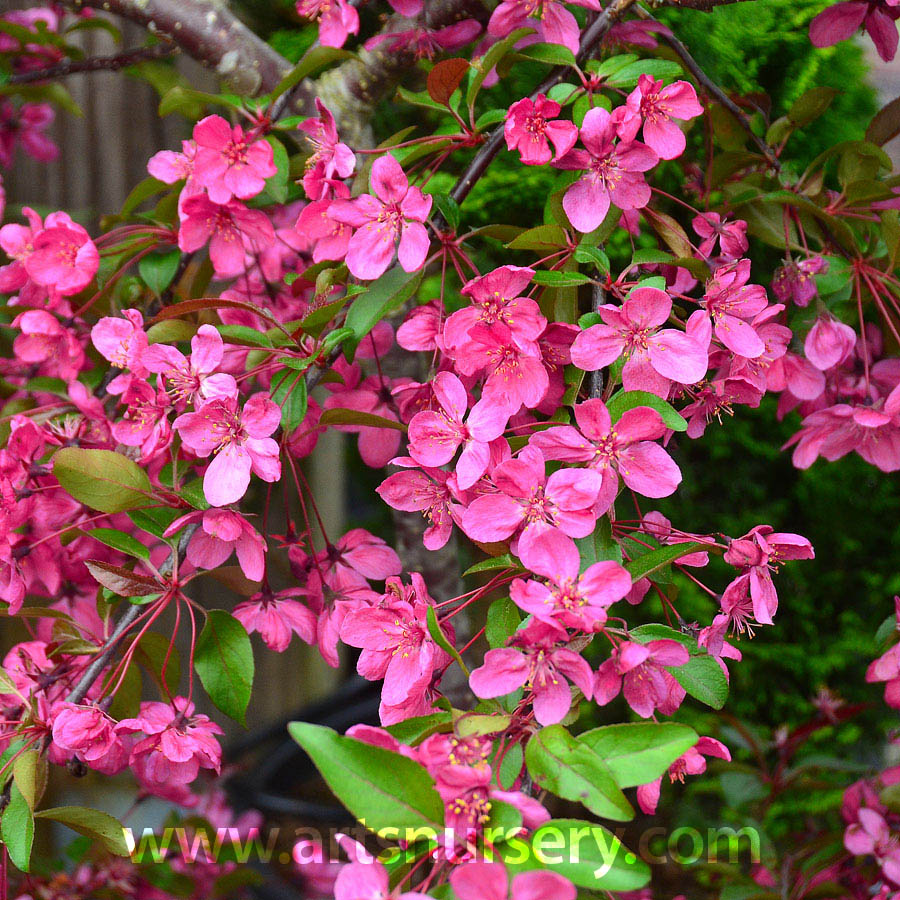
[(713, 89), (95, 64)]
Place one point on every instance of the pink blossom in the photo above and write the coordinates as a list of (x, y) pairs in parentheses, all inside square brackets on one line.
[(193, 379), (640, 672), (658, 106), (841, 20), (531, 126), (357, 558), (426, 43), (569, 599), (554, 23), (886, 668), (121, 340), (63, 257), (730, 302), (276, 617), (44, 342), (330, 159), (435, 436), (408, 8), (732, 236), (170, 167), (427, 492), (654, 358), (227, 228), (526, 496), (489, 881), (229, 165), (871, 835), (89, 733), (318, 227), (222, 532), (396, 212), (145, 423), (692, 762), (794, 281), (177, 743), (337, 19), (240, 440), (829, 343), (626, 449), (614, 172), (538, 662), (26, 124)]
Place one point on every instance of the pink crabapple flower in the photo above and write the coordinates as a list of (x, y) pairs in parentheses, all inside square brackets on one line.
[(408, 8), (193, 379), (328, 237), (330, 159), (871, 835), (623, 450), (240, 440), (691, 762), (229, 165), (276, 617), (526, 497), (613, 172), (490, 881), (426, 43), (794, 281), (531, 126), (222, 532), (730, 302), (841, 21), (337, 19), (436, 435), (226, 227), (554, 23), (26, 124), (654, 357), (731, 236), (177, 743), (43, 341), (122, 341), (886, 668), (64, 258), (829, 343), (426, 491), (538, 664), (90, 733), (395, 212), (658, 106), (568, 599), (640, 672)]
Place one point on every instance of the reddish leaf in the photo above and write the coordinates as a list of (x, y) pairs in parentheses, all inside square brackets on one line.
[(122, 581), (885, 124), (199, 303), (444, 79), (356, 417), (670, 231)]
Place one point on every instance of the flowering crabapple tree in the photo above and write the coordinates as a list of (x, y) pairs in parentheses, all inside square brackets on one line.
[(522, 389)]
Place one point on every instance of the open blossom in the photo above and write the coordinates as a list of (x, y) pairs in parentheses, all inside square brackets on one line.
[(330, 159), (613, 172), (531, 126), (538, 664), (691, 762), (554, 23), (222, 532), (240, 440), (170, 167), (395, 212), (626, 449), (887, 668), (841, 21), (229, 165), (732, 236), (63, 257), (526, 497), (794, 281), (315, 225), (490, 881), (436, 435), (655, 357), (193, 378), (337, 19), (658, 106), (568, 598), (425, 491), (177, 743), (226, 227), (122, 340), (640, 672), (90, 733), (871, 835), (26, 124), (276, 617), (730, 302), (44, 342)]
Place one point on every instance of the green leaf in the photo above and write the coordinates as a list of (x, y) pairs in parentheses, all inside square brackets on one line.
[(810, 105), (17, 829), (413, 731), (384, 295), (552, 278), (543, 237), (599, 546), (628, 75), (503, 620), (438, 636), (505, 561), (382, 789), (102, 479), (490, 59), (357, 417), (622, 401), (118, 540), (588, 855), (593, 255), (276, 188), (242, 334), (158, 269), (648, 563), (30, 776), (559, 763), (315, 58), (98, 826), (289, 392), (639, 752), (224, 661), (551, 54), (122, 581)]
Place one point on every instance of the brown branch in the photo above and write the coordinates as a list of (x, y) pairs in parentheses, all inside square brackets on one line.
[(95, 64), (207, 31), (714, 90), (591, 37)]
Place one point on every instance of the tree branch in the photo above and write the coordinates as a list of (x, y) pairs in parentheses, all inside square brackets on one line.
[(95, 64), (713, 89), (207, 31)]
